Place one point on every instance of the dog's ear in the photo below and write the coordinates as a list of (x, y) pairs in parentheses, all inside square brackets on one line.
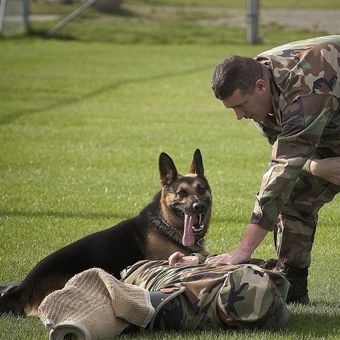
[(167, 170), (197, 164)]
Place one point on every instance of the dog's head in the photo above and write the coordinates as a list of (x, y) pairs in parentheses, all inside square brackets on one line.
[(185, 200)]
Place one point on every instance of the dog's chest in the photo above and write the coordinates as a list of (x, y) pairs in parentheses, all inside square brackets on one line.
[(160, 247)]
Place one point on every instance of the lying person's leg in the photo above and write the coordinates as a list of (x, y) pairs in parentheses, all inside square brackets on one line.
[(216, 295)]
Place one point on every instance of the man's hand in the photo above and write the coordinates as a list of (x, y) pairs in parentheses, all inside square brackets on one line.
[(179, 259), (234, 257), (327, 168)]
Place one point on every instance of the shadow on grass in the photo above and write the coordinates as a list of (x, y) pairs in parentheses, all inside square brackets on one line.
[(309, 325), (61, 214), (121, 12), (313, 324), (42, 33), (328, 304), (7, 119)]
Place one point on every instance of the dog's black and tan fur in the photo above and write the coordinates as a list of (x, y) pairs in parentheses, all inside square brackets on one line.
[(155, 233)]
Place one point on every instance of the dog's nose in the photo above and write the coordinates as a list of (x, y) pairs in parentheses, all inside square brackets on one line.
[(198, 207)]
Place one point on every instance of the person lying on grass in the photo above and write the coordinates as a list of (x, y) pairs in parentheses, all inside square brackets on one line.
[(182, 294)]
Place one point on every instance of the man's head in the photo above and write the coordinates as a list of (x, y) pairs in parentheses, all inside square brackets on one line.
[(242, 83)]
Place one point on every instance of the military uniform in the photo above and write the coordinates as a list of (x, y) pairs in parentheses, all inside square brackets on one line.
[(304, 124), (212, 296)]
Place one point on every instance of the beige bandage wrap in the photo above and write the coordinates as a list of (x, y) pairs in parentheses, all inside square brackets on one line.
[(95, 305)]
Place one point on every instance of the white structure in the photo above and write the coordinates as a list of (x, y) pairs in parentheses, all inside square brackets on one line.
[(14, 17)]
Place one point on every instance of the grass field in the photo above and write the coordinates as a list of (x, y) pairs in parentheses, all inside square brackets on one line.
[(82, 126), (81, 129)]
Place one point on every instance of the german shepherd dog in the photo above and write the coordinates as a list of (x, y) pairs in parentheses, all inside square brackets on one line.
[(176, 220)]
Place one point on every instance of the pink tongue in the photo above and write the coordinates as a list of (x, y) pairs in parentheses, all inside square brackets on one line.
[(188, 239)]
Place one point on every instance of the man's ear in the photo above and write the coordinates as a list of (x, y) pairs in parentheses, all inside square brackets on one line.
[(167, 170), (197, 164), (261, 85)]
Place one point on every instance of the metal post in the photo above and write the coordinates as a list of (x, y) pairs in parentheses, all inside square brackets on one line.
[(26, 13), (2, 14), (253, 21)]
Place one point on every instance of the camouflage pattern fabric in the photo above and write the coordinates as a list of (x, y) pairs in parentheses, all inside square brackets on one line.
[(215, 295), (304, 124), (297, 222)]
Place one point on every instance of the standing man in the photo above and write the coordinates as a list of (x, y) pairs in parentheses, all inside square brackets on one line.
[(292, 93)]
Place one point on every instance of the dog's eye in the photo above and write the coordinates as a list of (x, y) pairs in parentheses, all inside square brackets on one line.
[(182, 193), (200, 189)]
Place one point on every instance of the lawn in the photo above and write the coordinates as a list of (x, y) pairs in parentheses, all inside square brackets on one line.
[(81, 128)]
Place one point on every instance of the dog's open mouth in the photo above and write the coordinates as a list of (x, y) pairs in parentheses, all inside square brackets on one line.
[(198, 225), (193, 225)]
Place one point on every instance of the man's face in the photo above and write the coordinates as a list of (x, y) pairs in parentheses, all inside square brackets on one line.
[(256, 105)]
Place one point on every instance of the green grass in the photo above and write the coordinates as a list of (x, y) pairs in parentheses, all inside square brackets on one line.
[(81, 129)]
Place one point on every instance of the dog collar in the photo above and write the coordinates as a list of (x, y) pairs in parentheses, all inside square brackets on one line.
[(173, 233)]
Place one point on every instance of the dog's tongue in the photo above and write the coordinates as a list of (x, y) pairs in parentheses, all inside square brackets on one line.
[(188, 239)]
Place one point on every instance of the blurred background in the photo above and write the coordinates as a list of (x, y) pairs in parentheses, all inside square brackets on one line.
[(169, 21)]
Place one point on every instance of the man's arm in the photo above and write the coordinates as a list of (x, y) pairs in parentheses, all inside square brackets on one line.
[(327, 168)]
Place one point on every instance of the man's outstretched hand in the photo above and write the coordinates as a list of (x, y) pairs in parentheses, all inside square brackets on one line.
[(234, 257)]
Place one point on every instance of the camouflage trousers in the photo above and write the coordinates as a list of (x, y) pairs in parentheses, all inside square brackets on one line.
[(213, 296), (297, 222)]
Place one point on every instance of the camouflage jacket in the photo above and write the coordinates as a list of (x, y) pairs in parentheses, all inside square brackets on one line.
[(305, 91), (215, 295)]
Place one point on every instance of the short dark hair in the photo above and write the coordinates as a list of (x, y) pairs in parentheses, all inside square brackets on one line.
[(233, 73)]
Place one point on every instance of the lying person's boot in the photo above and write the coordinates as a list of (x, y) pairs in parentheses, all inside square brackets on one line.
[(298, 292), (168, 305)]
